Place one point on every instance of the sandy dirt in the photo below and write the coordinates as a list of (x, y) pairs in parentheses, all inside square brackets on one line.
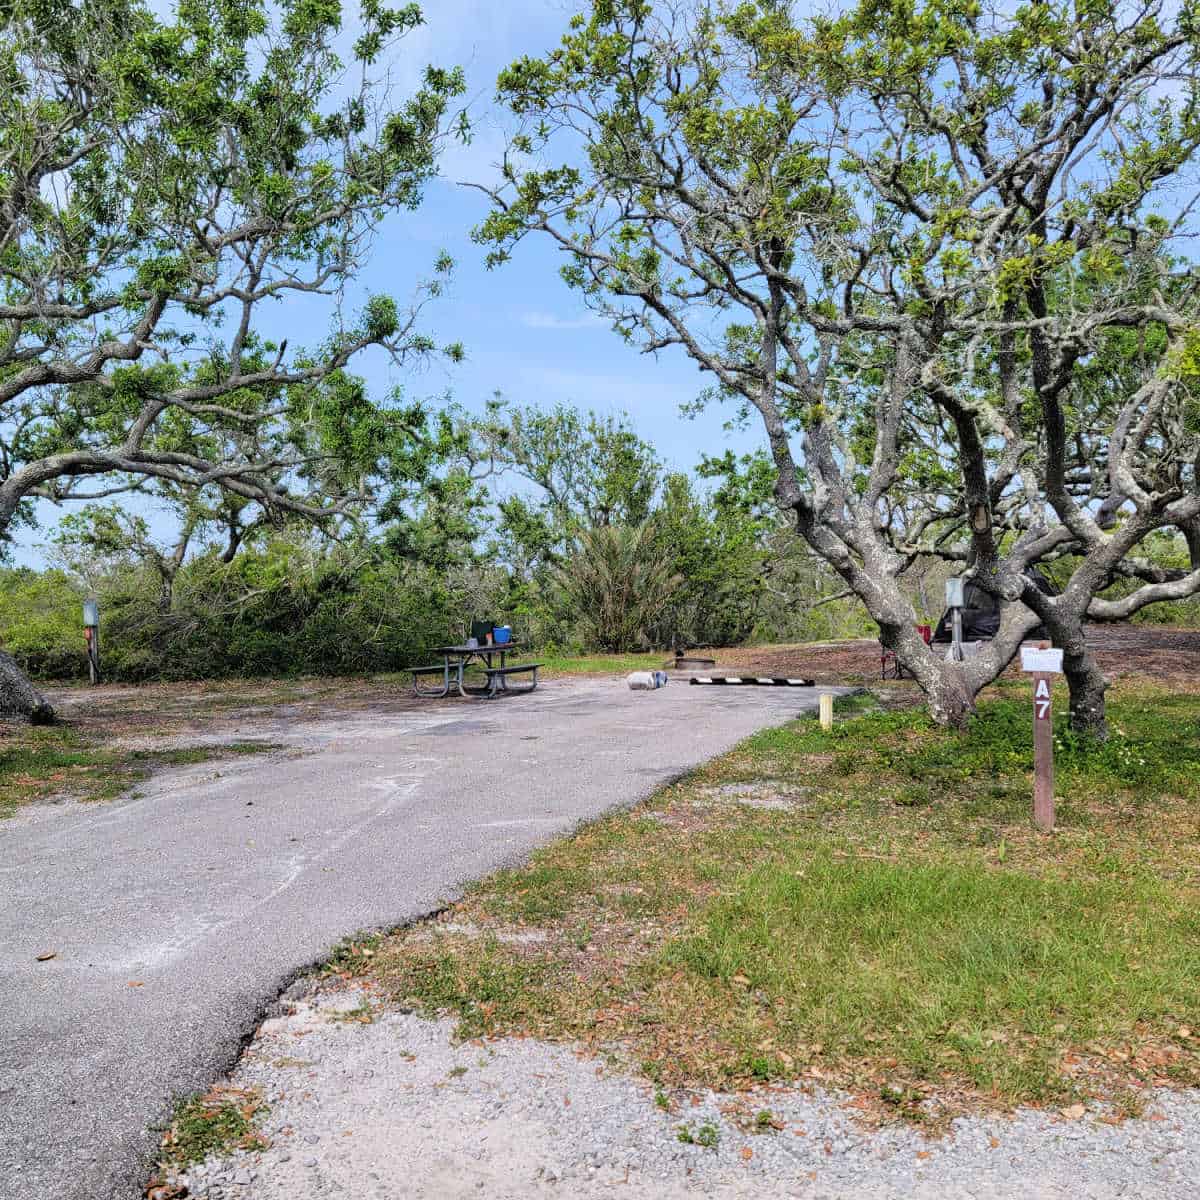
[(1149, 651)]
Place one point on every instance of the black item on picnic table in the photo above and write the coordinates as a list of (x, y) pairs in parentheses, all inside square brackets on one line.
[(482, 630)]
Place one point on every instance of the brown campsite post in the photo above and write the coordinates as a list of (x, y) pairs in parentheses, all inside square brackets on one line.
[(1043, 751), (1043, 662)]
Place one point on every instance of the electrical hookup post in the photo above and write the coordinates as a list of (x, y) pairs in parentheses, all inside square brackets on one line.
[(91, 634), (955, 602), (1043, 663)]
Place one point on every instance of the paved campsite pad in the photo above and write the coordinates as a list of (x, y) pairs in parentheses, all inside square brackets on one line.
[(177, 916)]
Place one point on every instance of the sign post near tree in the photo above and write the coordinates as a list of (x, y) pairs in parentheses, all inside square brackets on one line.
[(1043, 663), (91, 633)]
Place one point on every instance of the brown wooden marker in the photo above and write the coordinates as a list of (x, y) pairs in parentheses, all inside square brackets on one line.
[(1043, 751), (1043, 662)]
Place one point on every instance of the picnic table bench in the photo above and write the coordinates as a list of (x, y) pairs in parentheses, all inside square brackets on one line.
[(453, 668)]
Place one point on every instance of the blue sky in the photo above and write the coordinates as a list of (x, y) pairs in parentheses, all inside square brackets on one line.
[(526, 334)]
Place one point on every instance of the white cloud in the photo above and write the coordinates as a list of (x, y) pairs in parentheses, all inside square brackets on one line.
[(649, 391), (55, 189), (545, 320), (480, 38)]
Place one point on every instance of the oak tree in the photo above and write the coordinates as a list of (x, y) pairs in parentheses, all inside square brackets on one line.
[(941, 250), (167, 186)]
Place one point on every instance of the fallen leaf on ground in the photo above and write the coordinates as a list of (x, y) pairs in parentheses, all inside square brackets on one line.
[(1074, 1112), (136, 983), (747, 1153), (47, 955)]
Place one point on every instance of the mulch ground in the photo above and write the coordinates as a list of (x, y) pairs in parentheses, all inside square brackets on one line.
[(148, 710), (1150, 651)]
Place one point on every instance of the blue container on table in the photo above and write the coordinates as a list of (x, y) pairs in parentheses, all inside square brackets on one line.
[(502, 635)]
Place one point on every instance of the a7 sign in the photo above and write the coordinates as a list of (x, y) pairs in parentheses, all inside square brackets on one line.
[(1041, 699), (1042, 662)]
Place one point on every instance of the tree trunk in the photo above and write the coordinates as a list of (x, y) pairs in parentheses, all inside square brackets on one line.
[(1084, 678), (951, 700), (950, 694), (168, 568), (166, 590), (1087, 686), (1191, 534), (18, 697)]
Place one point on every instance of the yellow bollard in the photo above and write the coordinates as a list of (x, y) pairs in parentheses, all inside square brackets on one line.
[(826, 702)]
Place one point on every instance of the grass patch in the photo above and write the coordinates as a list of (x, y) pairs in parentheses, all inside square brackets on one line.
[(219, 1122), (708, 1136), (40, 762), (871, 908), (496, 991), (855, 704), (361, 1014), (352, 955), (556, 665), (37, 761), (954, 968)]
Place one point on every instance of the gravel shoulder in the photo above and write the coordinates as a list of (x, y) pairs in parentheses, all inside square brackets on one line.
[(395, 1108)]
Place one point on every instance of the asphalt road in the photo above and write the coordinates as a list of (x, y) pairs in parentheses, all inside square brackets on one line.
[(177, 916)]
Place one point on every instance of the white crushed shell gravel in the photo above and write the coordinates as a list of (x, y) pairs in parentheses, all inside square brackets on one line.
[(396, 1109)]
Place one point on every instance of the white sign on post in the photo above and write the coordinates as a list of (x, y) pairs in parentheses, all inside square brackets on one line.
[(1035, 659)]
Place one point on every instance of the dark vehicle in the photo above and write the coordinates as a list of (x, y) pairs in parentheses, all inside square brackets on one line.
[(981, 613)]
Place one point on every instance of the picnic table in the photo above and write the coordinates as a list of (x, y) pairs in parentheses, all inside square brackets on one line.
[(456, 660)]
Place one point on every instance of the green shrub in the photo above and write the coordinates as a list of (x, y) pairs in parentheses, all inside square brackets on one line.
[(286, 609), (41, 621)]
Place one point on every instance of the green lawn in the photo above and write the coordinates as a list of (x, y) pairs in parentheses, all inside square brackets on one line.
[(870, 907)]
